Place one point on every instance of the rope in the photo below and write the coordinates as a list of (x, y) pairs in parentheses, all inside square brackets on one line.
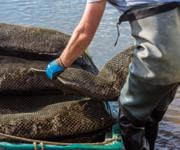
[(37, 70), (35, 145), (55, 143), (42, 146)]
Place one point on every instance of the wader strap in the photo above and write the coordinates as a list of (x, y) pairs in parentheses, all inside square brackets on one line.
[(143, 11)]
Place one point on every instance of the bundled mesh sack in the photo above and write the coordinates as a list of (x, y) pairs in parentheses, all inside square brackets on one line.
[(23, 48), (32, 106), (51, 117)]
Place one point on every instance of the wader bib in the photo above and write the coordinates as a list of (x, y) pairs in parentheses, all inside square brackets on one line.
[(154, 72)]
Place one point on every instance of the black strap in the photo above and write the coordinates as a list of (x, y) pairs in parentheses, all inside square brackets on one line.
[(143, 11)]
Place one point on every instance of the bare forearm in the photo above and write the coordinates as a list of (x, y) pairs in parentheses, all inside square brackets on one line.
[(83, 33), (80, 39), (76, 46)]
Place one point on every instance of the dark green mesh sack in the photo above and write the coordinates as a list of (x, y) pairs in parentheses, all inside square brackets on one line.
[(51, 117), (31, 106)]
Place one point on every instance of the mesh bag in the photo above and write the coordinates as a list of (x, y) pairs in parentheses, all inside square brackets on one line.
[(16, 77), (31, 106), (44, 117)]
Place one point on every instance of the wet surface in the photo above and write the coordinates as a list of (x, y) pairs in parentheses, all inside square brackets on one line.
[(169, 133), (64, 16)]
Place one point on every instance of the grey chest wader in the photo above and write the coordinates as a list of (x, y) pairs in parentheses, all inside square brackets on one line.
[(142, 135)]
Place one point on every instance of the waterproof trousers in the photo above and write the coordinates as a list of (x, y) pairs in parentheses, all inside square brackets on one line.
[(154, 74), (152, 101)]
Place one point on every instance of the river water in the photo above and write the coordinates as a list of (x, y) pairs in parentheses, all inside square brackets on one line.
[(64, 16)]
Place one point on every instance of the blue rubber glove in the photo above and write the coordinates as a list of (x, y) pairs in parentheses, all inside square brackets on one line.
[(53, 68)]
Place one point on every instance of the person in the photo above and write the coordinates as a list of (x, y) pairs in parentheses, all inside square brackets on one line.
[(154, 72)]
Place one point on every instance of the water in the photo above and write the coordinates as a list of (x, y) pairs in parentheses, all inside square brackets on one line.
[(63, 16)]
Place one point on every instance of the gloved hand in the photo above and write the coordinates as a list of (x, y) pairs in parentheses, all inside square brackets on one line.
[(53, 69)]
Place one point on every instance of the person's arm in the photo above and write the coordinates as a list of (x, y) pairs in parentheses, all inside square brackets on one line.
[(80, 38), (83, 33)]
